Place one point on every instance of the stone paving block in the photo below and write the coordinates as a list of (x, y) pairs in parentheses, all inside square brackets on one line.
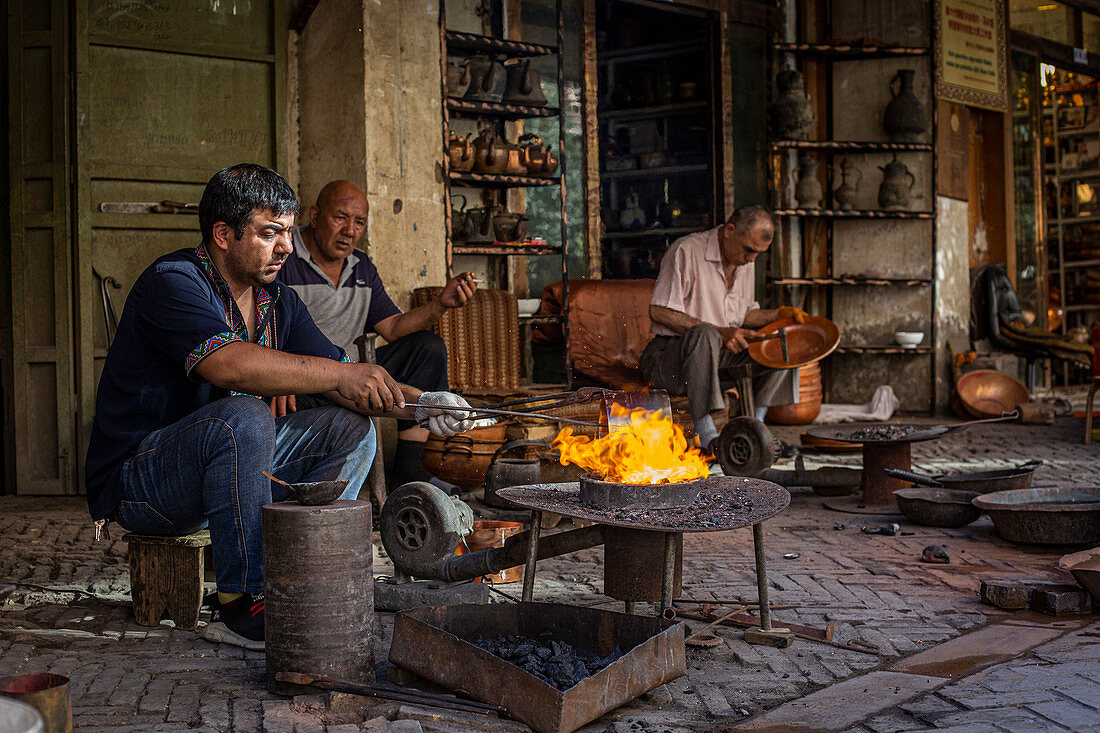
[(1070, 714), (1002, 718), (1086, 693), (1060, 599), (928, 708), (892, 722), (963, 654), (846, 703)]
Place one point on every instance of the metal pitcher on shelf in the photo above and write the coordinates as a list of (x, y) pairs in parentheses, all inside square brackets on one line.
[(845, 194), (893, 193), (807, 191), (523, 85), (486, 78)]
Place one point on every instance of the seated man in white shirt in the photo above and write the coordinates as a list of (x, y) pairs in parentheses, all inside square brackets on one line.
[(703, 311)]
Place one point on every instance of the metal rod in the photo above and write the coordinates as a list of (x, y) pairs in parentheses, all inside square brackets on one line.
[(761, 576), (532, 556), (510, 413), (668, 579)]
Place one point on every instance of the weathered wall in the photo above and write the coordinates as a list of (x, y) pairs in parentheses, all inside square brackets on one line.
[(404, 143), (952, 289), (331, 99), (369, 111)]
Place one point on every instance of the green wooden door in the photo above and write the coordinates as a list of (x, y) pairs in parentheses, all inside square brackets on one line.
[(166, 94), (154, 98), (41, 264)]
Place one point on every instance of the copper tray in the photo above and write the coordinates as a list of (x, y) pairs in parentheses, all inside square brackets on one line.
[(806, 343)]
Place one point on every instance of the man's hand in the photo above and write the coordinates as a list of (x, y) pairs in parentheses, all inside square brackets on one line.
[(789, 311), (284, 405), (736, 339), (443, 422), (458, 290), (370, 387)]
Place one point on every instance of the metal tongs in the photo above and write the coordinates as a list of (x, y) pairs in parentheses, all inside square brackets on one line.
[(533, 407)]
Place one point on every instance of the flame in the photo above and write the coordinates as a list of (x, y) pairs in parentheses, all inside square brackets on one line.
[(644, 447)]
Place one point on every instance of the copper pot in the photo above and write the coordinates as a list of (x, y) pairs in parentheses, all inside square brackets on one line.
[(492, 156), (809, 399), (460, 152), (509, 227), (489, 533), (463, 459)]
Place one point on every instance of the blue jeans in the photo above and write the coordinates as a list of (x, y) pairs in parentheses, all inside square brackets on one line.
[(205, 471)]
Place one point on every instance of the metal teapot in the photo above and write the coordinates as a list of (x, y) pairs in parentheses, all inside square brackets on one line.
[(509, 226), (538, 159), (486, 78), (458, 78), (460, 152), (845, 194), (893, 193), (459, 219), (506, 472), (490, 153), (479, 223), (523, 86)]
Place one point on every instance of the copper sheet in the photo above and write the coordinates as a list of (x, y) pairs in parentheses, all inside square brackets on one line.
[(806, 343)]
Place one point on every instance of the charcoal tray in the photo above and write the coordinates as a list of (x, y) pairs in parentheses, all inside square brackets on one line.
[(435, 642)]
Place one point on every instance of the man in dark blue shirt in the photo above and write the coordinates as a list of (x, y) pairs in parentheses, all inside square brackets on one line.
[(183, 428)]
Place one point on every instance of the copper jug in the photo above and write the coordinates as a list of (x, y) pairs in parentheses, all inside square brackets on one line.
[(460, 152), (486, 78), (523, 86)]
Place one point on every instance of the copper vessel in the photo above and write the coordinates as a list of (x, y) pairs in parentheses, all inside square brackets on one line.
[(460, 152)]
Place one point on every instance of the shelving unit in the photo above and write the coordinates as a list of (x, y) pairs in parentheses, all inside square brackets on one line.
[(657, 135), (805, 226), (1071, 155), (498, 114)]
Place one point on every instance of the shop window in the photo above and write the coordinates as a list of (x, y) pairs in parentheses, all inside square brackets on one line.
[(1050, 20)]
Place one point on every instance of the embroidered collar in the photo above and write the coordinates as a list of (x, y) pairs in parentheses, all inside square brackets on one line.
[(265, 298)]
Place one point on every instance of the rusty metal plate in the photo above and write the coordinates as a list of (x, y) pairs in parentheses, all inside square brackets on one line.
[(844, 435), (726, 502), (436, 643)]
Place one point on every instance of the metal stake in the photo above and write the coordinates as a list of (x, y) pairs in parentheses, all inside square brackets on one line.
[(532, 557), (668, 580), (761, 576)]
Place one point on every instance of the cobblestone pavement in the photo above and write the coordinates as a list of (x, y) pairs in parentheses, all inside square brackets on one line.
[(871, 587)]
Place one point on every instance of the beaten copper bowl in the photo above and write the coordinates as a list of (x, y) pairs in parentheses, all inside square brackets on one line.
[(988, 393), (806, 342)]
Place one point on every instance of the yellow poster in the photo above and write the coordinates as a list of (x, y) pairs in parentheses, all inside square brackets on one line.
[(971, 54)]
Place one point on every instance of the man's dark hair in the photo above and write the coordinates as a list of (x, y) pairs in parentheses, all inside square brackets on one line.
[(233, 193), (750, 217)]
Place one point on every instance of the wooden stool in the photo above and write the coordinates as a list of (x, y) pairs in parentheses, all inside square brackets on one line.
[(166, 575)]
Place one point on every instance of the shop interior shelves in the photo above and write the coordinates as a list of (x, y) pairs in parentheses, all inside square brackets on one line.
[(498, 180), (656, 172), (466, 108), (505, 248), (851, 146), (651, 232), (850, 50), (649, 52), (653, 111), (473, 42), (855, 213)]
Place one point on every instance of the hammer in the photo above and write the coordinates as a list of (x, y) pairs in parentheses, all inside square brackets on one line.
[(780, 334)]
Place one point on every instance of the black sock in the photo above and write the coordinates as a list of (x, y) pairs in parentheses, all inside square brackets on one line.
[(408, 464)]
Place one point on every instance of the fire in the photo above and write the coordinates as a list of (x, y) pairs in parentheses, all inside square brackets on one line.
[(643, 448)]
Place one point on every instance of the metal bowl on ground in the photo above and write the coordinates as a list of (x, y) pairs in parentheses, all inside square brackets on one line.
[(1085, 568), (1066, 516), (938, 507), (988, 393)]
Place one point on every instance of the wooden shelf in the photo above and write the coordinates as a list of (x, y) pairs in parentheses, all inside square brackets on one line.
[(1074, 220), (826, 281), (504, 248), (1081, 307), (466, 108), (658, 172), (855, 213), (1079, 264), (850, 50), (651, 232), (474, 42), (653, 51), (498, 180), (661, 110), (899, 350), (853, 146)]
